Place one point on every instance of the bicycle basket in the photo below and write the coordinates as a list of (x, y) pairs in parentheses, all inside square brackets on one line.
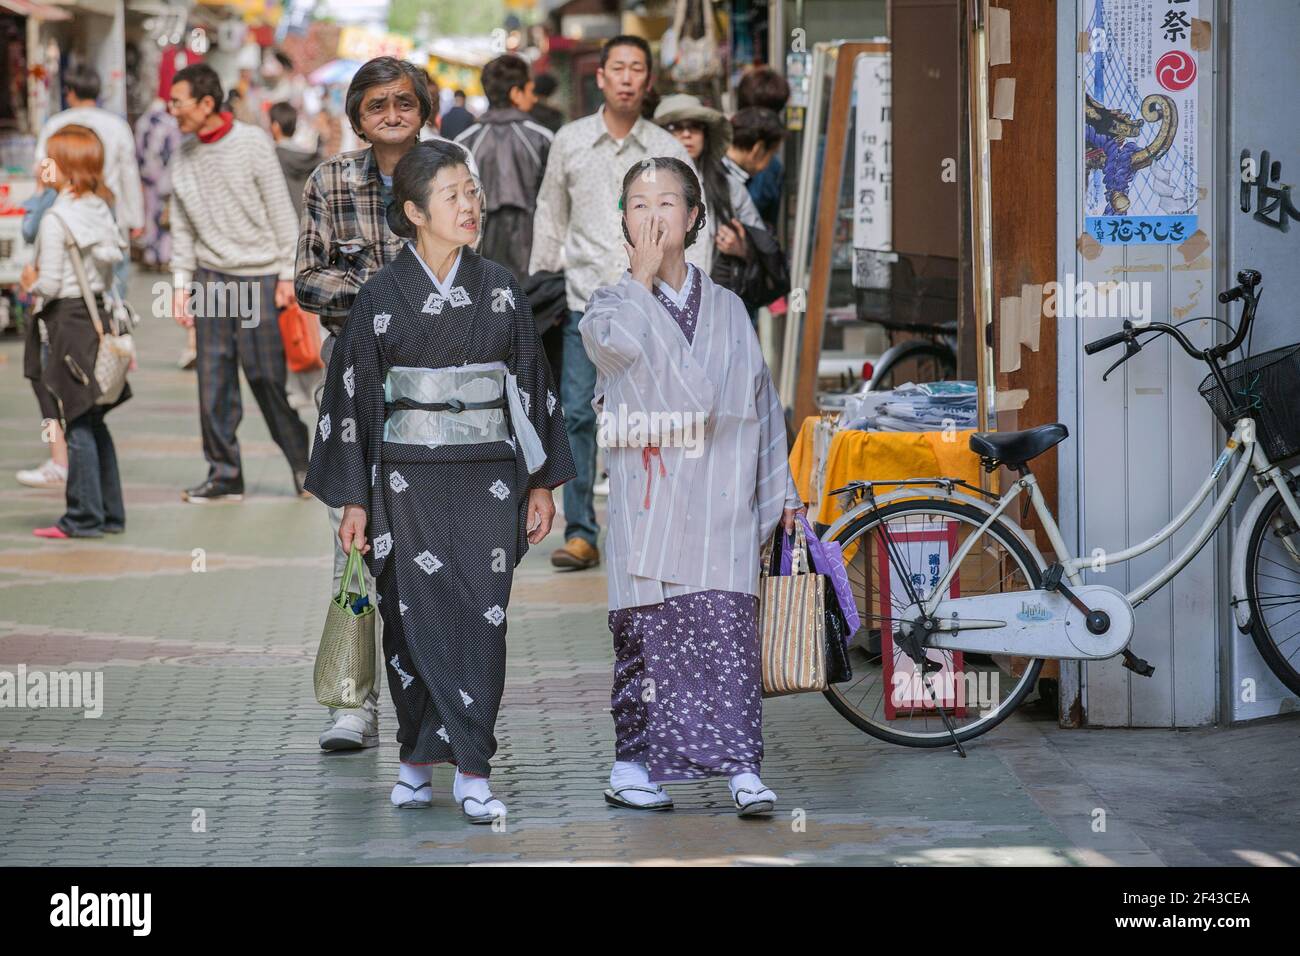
[(1267, 388)]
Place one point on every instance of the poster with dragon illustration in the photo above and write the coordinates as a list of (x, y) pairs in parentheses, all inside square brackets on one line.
[(1139, 121)]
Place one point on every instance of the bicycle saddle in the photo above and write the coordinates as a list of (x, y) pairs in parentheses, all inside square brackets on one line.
[(1016, 448)]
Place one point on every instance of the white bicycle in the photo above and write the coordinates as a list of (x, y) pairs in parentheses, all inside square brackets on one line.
[(959, 608)]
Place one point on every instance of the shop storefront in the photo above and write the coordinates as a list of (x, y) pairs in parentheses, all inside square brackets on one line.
[(1100, 146), (29, 65)]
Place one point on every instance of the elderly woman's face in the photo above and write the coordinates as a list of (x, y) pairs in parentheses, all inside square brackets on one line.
[(454, 206), (656, 196)]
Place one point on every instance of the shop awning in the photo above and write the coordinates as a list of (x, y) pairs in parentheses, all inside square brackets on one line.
[(29, 8)]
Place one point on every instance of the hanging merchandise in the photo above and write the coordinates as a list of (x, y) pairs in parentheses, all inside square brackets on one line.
[(694, 43), (230, 37)]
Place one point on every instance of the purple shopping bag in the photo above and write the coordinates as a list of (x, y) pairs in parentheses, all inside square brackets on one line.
[(828, 558)]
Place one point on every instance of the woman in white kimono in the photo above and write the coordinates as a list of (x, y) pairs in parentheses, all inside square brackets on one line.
[(695, 438), (441, 437)]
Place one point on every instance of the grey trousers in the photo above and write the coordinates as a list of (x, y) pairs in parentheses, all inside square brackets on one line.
[(341, 563)]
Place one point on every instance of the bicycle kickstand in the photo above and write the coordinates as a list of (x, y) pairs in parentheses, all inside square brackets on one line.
[(961, 751), (911, 645)]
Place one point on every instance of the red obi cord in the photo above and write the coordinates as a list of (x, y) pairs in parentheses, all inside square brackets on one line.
[(646, 454)]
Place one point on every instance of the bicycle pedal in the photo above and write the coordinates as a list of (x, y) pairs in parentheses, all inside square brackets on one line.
[(1137, 665)]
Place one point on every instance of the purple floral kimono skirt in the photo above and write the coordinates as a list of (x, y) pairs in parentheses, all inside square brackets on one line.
[(688, 696)]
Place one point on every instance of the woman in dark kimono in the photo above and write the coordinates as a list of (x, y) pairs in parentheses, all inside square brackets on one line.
[(441, 436)]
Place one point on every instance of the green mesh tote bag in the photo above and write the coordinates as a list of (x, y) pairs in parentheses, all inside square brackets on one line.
[(345, 661)]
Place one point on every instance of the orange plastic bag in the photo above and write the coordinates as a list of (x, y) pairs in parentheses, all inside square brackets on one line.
[(301, 334)]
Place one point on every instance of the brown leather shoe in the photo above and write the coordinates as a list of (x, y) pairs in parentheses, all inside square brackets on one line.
[(576, 555)]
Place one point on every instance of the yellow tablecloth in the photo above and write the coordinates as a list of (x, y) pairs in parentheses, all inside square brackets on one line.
[(878, 456)]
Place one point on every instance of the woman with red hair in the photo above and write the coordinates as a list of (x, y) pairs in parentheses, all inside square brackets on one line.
[(80, 215)]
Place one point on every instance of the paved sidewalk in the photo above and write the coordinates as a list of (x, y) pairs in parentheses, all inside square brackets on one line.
[(206, 751)]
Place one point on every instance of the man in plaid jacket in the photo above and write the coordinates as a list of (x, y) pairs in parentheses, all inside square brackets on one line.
[(344, 239)]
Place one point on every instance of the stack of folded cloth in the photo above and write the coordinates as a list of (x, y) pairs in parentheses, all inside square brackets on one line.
[(928, 407)]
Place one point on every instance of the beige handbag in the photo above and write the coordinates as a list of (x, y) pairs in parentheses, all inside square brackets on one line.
[(117, 348), (792, 621), (345, 660), (696, 57)]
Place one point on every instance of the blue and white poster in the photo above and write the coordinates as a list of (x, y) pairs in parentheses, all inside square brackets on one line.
[(1139, 121)]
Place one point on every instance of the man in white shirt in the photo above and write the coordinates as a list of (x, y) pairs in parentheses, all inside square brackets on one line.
[(578, 228), (121, 169)]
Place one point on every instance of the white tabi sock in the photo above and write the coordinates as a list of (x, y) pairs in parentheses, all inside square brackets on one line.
[(412, 785), (414, 774), (476, 787), (750, 782), (629, 774)]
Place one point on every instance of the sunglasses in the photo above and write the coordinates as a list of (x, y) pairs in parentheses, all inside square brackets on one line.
[(688, 126)]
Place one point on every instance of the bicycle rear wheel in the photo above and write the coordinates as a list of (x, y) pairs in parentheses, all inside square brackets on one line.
[(1273, 590), (882, 698)]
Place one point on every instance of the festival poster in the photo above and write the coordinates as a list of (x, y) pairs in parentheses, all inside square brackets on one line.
[(1139, 121)]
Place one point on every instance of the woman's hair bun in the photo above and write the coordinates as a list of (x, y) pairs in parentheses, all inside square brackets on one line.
[(398, 221)]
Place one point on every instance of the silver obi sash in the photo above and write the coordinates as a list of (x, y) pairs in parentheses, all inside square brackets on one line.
[(487, 383)]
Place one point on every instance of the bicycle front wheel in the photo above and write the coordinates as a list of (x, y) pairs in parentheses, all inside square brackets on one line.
[(1273, 590), (913, 539)]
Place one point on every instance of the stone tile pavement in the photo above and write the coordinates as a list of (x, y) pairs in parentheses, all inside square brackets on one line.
[(206, 749)]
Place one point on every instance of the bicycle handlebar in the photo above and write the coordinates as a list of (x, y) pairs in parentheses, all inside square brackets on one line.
[(1106, 342), (1248, 279)]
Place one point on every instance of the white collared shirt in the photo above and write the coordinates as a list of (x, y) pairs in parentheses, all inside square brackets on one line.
[(735, 170), (577, 226)]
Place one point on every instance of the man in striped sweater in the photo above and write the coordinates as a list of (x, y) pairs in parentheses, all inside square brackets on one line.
[(234, 234)]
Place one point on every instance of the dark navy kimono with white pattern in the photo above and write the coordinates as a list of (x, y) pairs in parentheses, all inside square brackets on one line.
[(446, 523)]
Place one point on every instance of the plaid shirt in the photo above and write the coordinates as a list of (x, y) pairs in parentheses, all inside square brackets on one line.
[(344, 237)]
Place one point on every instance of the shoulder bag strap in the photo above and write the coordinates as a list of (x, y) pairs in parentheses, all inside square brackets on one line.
[(79, 267)]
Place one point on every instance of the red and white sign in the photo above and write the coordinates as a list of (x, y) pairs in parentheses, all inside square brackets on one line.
[(924, 552)]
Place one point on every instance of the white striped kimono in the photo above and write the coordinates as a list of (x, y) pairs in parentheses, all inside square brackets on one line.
[(683, 520)]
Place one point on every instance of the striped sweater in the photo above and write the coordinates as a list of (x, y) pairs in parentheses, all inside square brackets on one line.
[(230, 207)]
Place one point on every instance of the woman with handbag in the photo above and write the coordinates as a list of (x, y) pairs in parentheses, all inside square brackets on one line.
[(706, 134), (76, 247), (743, 255), (441, 437), (695, 439)]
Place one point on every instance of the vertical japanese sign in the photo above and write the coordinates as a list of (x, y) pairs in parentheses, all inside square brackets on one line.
[(1139, 121), (872, 178)]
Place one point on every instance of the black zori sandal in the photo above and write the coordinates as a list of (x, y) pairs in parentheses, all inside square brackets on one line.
[(615, 798), (413, 800)]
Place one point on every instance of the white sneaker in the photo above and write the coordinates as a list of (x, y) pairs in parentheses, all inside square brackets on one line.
[(352, 729), (48, 475)]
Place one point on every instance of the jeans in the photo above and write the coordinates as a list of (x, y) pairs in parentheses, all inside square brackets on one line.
[(122, 277), (577, 389), (94, 489)]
